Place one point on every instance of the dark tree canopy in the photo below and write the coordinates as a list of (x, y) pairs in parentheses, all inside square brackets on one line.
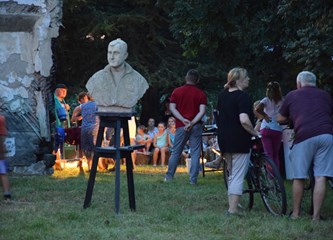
[(274, 40), (89, 26)]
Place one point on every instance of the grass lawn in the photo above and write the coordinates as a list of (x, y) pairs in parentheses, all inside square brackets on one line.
[(51, 207)]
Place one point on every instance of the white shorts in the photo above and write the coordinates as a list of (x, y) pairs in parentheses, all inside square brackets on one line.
[(237, 164)]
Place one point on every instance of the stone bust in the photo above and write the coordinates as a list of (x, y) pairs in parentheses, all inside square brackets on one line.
[(117, 87)]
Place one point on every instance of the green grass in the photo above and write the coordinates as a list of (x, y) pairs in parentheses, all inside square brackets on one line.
[(51, 207)]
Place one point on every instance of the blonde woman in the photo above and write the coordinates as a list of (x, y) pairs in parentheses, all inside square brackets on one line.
[(235, 129)]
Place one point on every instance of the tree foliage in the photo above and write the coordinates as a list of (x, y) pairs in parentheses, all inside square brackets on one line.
[(308, 43), (274, 40), (89, 25), (225, 34)]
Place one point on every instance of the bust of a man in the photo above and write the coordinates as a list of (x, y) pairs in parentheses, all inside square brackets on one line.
[(117, 87)]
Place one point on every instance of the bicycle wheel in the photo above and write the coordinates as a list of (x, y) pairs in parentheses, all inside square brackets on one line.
[(246, 200), (272, 189)]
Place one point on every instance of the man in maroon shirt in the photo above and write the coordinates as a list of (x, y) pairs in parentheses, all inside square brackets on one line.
[(310, 110), (188, 106)]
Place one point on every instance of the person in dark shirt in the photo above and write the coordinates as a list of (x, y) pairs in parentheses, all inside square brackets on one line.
[(310, 110), (235, 129)]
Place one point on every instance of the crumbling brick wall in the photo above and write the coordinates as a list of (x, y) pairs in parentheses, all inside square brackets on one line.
[(27, 28)]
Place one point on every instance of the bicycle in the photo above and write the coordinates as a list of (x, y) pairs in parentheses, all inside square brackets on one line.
[(262, 177)]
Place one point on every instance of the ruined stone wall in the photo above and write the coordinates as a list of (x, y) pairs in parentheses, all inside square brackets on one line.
[(27, 28)]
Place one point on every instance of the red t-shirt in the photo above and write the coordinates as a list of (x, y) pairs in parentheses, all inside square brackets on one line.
[(3, 130), (188, 99)]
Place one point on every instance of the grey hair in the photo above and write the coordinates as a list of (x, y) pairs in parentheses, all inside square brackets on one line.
[(306, 78), (122, 44)]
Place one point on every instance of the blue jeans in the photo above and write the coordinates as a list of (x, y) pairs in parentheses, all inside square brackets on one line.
[(194, 136)]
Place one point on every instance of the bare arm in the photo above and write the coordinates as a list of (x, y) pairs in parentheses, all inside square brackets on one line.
[(260, 110), (177, 114), (197, 118), (149, 139), (139, 140), (169, 141), (247, 125), (76, 114), (200, 114), (281, 119), (258, 125), (155, 140), (188, 124)]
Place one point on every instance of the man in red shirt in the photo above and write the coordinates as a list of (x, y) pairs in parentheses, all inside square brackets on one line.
[(188, 106)]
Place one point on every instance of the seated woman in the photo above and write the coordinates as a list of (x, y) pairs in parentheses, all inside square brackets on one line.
[(143, 138), (161, 140)]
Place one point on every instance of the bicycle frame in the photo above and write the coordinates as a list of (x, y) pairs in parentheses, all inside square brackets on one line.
[(264, 178)]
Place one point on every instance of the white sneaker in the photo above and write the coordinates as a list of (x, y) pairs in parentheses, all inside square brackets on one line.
[(167, 179)]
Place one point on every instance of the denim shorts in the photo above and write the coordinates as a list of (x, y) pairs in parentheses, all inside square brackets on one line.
[(3, 166), (317, 150)]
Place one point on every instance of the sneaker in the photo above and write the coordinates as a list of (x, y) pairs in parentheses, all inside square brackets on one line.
[(213, 164), (167, 179)]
